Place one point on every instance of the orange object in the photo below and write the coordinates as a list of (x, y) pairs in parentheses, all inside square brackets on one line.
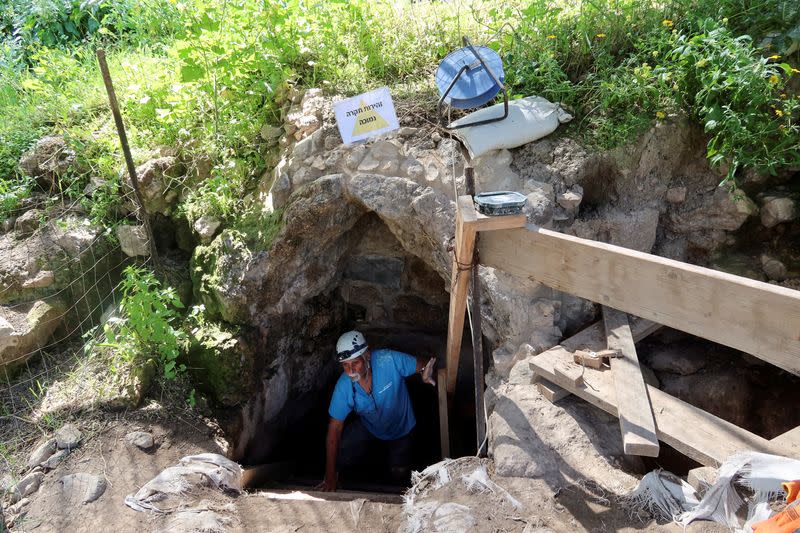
[(792, 489), (788, 520)]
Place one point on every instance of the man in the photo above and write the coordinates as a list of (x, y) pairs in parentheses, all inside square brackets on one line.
[(373, 386)]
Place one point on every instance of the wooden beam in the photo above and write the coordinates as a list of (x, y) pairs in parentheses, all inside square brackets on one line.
[(633, 405), (487, 223), (697, 434), (551, 391), (752, 316), (444, 425), (589, 338), (459, 282)]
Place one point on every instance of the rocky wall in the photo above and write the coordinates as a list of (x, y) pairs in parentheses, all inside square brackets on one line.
[(368, 229)]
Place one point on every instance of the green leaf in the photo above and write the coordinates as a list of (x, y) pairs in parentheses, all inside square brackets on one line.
[(191, 72)]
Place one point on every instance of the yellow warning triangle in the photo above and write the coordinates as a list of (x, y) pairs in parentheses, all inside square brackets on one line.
[(368, 121)]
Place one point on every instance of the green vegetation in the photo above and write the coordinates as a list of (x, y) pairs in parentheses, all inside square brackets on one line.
[(145, 328), (204, 76)]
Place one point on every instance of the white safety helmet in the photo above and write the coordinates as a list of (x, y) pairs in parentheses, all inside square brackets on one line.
[(350, 345)]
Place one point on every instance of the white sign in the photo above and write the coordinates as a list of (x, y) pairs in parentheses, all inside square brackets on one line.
[(366, 115)]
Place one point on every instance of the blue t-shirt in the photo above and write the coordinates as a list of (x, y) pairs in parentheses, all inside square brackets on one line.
[(387, 412)]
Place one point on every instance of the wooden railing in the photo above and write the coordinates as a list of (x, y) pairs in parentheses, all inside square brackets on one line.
[(758, 318)]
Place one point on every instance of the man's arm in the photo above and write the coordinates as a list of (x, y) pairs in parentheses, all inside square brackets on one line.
[(335, 428)]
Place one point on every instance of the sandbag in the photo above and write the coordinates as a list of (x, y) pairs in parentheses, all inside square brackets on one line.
[(528, 119)]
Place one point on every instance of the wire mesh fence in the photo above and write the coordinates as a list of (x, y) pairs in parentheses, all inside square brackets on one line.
[(46, 324)]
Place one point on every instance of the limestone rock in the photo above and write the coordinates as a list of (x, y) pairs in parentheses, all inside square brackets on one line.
[(223, 361), (140, 439), (777, 209), (676, 195), (40, 280), (158, 180), (48, 160), (42, 453), (68, 437), (726, 209), (270, 133), (309, 146), (217, 274), (493, 172), (54, 460), (28, 222), (382, 157), (75, 237), (27, 486), (206, 227), (503, 359), (632, 229), (539, 207), (280, 190), (24, 329), (571, 199), (133, 240), (81, 488), (773, 268)]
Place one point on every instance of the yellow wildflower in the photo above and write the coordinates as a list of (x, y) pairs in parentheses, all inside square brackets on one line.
[(778, 113), (660, 115), (654, 53), (774, 79), (667, 23), (600, 35), (700, 64), (551, 36), (783, 96)]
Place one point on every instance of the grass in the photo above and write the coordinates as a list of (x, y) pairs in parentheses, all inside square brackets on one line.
[(216, 72)]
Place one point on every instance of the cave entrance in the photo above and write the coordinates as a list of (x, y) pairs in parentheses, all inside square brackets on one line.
[(399, 302)]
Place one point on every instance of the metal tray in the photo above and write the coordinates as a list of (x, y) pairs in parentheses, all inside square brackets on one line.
[(500, 203)]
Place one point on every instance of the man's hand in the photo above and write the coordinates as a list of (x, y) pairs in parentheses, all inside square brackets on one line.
[(427, 372)]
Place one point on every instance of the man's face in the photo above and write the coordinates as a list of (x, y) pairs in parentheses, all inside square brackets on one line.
[(356, 368)]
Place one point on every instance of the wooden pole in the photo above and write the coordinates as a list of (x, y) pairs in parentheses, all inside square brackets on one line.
[(444, 424), (475, 327), (123, 139), (466, 219)]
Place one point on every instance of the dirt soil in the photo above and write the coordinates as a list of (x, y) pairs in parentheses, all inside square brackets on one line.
[(126, 468)]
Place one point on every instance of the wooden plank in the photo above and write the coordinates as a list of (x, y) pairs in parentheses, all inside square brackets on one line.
[(551, 391), (758, 318), (487, 223), (462, 263), (302, 493), (633, 405), (569, 371), (444, 426), (697, 434)]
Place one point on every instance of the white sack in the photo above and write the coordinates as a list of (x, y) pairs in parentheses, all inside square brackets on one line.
[(528, 119)]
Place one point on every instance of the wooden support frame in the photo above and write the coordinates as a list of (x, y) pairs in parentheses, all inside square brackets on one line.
[(697, 434), (468, 223), (752, 316), (633, 404)]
